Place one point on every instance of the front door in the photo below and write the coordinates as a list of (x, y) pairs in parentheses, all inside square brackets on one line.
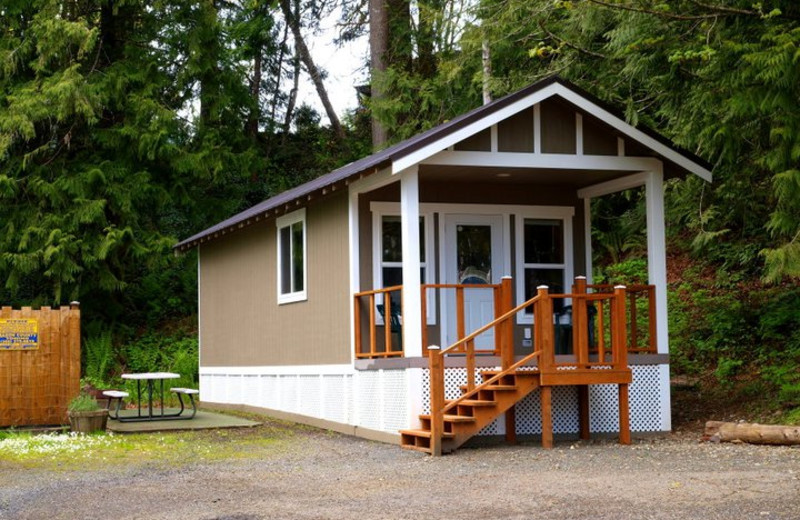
[(473, 255)]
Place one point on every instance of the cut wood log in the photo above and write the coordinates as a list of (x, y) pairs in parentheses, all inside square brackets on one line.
[(752, 433)]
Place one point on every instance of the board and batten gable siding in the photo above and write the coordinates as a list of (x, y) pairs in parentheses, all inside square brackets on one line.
[(241, 323)]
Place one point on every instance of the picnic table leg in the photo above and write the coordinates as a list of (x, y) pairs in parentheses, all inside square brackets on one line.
[(139, 395), (150, 398)]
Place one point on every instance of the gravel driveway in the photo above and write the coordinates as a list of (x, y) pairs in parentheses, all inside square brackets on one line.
[(324, 475)]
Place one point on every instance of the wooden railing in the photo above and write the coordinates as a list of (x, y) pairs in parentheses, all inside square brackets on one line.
[(499, 296), (641, 315), (375, 350), (543, 347)]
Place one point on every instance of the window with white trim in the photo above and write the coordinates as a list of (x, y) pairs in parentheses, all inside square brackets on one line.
[(388, 252), (292, 257), (544, 256)]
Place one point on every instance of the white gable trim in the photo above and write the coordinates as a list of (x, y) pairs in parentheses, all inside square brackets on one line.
[(428, 151), (423, 153), (543, 160)]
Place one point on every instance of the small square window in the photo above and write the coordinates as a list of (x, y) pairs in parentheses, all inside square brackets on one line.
[(292, 257)]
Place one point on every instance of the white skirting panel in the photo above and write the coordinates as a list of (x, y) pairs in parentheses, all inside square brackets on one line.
[(375, 399), (649, 409), (381, 399)]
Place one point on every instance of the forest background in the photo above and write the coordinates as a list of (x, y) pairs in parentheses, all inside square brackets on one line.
[(126, 125)]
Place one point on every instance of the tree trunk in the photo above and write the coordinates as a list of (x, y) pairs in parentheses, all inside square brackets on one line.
[(255, 94), (287, 120), (486, 59), (752, 433), (305, 56), (378, 47)]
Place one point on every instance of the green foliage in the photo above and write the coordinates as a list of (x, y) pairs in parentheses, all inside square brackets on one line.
[(99, 357), (155, 352), (83, 403)]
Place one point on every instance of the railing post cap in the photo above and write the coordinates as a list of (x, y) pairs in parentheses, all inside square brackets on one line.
[(75, 303), (434, 347), (542, 287), (506, 277), (580, 277), (620, 287)]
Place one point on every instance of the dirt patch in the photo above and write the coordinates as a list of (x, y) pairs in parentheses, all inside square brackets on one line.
[(317, 474)]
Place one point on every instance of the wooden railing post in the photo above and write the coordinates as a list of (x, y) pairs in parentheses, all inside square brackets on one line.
[(580, 323), (372, 341), (543, 326), (357, 323), (424, 310), (505, 332), (506, 329), (619, 342), (436, 369)]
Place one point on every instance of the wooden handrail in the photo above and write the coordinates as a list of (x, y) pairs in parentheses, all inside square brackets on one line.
[(387, 318)]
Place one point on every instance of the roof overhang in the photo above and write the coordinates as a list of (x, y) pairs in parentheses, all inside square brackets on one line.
[(431, 147)]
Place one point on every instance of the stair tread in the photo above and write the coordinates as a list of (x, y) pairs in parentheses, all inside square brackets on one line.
[(514, 373), (415, 448), (473, 402), (426, 433), (495, 387), (451, 418)]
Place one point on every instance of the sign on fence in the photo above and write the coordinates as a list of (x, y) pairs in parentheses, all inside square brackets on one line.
[(19, 334), (40, 364)]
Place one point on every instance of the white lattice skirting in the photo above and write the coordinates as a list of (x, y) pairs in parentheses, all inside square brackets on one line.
[(648, 396), (375, 399), (389, 400)]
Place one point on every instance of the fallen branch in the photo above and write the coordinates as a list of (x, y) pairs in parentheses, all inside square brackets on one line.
[(777, 434)]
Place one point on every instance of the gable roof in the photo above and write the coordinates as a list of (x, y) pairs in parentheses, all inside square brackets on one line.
[(425, 144)]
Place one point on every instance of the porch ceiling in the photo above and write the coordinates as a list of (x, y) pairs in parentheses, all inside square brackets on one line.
[(514, 176)]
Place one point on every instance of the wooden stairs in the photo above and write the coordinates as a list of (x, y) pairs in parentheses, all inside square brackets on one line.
[(452, 423), (474, 413), (481, 406)]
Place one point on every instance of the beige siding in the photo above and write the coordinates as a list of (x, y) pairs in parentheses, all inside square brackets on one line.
[(241, 323)]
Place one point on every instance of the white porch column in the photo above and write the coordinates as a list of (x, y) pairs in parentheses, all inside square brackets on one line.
[(657, 252), (412, 298)]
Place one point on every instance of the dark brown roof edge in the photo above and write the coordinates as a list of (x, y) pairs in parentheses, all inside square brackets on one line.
[(385, 157)]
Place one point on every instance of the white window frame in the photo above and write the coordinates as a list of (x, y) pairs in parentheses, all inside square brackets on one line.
[(280, 223), (563, 213), (392, 209)]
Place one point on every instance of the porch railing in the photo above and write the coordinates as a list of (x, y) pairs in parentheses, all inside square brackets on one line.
[(589, 324), (391, 320), (499, 296), (612, 358), (641, 314)]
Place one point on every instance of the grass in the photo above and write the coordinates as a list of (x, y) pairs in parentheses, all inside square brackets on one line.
[(70, 451)]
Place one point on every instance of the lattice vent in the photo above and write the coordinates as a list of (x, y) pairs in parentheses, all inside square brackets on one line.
[(335, 397), (369, 392), (645, 398), (395, 400), (310, 393)]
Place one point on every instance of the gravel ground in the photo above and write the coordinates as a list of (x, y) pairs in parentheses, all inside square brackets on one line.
[(323, 475)]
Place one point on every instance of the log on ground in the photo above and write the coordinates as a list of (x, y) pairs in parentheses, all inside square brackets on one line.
[(752, 433)]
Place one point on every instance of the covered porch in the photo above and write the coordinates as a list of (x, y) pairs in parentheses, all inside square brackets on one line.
[(464, 255)]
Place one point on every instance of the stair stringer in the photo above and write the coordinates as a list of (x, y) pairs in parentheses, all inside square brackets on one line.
[(525, 383)]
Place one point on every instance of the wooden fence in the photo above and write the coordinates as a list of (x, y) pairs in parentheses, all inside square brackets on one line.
[(38, 378)]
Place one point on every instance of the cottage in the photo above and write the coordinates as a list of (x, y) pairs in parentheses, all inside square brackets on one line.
[(443, 287)]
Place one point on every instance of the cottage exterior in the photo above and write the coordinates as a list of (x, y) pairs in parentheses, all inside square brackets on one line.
[(294, 292)]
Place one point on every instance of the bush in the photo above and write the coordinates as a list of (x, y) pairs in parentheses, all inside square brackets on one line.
[(83, 403)]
